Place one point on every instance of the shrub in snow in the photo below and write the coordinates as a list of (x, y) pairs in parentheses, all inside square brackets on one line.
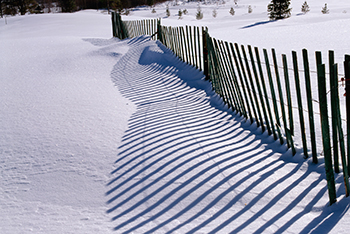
[(185, 12), (167, 11), (215, 13), (199, 14), (153, 10), (325, 9), (250, 9), (180, 14), (279, 9), (305, 8), (232, 11)]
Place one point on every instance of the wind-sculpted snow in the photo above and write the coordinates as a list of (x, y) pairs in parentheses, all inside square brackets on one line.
[(187, 164)]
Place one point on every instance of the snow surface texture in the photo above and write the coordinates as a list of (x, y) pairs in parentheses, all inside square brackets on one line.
[(159, 154)]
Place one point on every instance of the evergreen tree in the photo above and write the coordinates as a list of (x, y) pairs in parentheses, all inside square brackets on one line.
[(167, 11), (232, 11), (1, 8), (215, 13), (250, 9), (68, 5), (180, 14), (279, 9), (199, 14), (325, 9), (305, 8)]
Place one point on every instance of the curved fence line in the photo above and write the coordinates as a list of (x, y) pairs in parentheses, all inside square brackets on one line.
[(261, 90)]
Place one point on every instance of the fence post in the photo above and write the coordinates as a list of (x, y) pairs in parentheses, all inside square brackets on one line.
[(333, 86), (309, 104), (300, 106), (273, 95), (290, 131), (205, 54), (321, 74), (113, 24), (347, 79), (340, 131), (159, 31)]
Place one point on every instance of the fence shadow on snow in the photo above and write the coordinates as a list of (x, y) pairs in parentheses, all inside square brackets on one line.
[(263, 90)]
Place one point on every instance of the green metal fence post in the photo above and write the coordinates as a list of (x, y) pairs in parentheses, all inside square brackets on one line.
[(259, 116), (325, 133), (205, 54), (269, 123), (262, 104), (347, 80), (340, 131), (300, 105), (310, 108), (333, 84), (279, 88), (272, 89), (290, 131)]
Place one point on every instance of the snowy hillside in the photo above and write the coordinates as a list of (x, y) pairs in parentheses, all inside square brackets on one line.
[(99, 135)]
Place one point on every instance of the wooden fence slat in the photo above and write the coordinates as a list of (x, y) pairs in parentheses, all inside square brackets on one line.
[(195, 46), (300, 106), (223, 87), (234, 102), (262, 104), (247, 86), (321, 74), (340, 131), (216, 70), (333, 83), (188, 45), (272, 89), (310, 108), (199, 49), (280, 93), (271, 129), (235, 83), (259, 116), (290, 130), (205, 54), (247, 112), (180, 43), (347, 83)]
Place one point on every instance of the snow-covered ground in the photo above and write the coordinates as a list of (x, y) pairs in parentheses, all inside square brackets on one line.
[(93, 129)]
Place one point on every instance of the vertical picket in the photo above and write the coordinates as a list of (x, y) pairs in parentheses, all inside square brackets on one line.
[(237, 92), (272, 129), (259, 116), (333, 83), (335, 102), (280, 93), (229, 80), (246, 85), (300, 107), (205, 54), (199, 50), (310, 108), (245, 99), (321, 74), (347, 80), (272, 89), (290, 131), (262, 104), (223, 86)]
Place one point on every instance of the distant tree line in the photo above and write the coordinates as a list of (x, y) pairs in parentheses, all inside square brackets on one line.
[(14, 7)]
